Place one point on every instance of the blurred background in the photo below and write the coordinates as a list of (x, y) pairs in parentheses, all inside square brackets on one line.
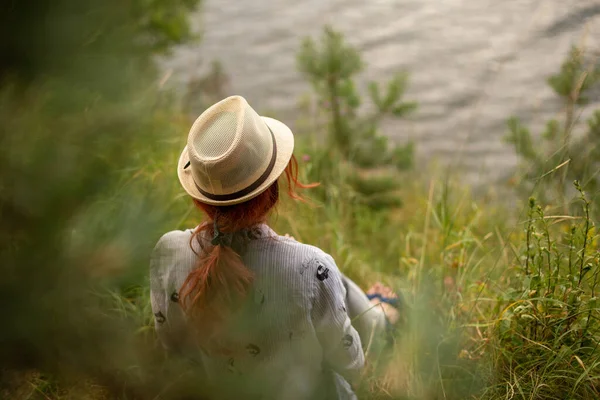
[(470, 63), (457, 145)]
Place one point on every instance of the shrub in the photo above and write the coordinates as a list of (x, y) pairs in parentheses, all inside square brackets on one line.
[(546, 340), (564, 152), (353, 140)]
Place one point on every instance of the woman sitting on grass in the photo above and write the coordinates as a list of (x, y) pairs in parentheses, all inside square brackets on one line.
[(264, 315)]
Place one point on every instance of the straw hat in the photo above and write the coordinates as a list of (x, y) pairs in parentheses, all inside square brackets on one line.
[(233, 154)]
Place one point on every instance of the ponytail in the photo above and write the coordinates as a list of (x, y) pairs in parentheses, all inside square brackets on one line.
[(220, 280), (213, 289)]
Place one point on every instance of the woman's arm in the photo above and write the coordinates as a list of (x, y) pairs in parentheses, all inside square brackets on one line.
[(168, 315), (341, 344)]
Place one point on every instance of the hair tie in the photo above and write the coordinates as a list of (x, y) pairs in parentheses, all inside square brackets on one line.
[(218, 236)]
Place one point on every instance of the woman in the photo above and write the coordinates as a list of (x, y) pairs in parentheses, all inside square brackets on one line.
[(267, 314)]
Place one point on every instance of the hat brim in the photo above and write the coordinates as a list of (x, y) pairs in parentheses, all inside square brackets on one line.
[(284, 139)]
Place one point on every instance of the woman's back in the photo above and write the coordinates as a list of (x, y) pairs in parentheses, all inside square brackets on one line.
[(289, 334)]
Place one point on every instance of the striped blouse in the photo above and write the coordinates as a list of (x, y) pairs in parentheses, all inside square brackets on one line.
[(292, 338)]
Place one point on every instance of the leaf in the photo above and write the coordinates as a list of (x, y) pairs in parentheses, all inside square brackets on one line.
[(565, 82), (374, 93), (585, 270), (383, 201), (403, 156), (374, 185), (594, 125), (535, 282), (348, 91), (396, 88), (404, 108), (552, 129), (520, 137), (308, 59)]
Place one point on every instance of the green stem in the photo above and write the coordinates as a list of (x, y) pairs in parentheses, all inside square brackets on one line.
[(571, 254), (528, 243), (586, 232), (549, 243), (338, 134), (589, 317)]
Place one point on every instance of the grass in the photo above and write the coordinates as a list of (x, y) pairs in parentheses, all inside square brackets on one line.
[(503, 304), (547, 336), (499, 308)]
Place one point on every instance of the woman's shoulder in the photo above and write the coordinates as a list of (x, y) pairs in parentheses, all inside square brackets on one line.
[(174, 236), (172, 252), (309, 261), (174, 239), (307, 253)]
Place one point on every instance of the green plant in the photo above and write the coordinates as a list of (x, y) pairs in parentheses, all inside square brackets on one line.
[(70, 34), (80, 201), (161, 24), (561, 154), (353, 140), (547, 334), (87, 186)]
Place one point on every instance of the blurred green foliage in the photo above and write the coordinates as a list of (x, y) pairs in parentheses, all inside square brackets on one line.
[(566, 150), (83, 195), (548, 317), (162, 24), (87, 184), (44, 37), (353, 140)]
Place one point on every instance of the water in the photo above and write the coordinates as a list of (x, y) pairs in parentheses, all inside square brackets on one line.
[(472, 63)]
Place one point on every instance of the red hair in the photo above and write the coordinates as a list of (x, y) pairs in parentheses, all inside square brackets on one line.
[(221, 280)]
